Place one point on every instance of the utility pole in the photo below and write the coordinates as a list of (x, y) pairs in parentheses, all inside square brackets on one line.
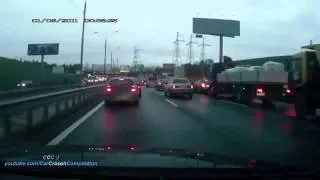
[(82, 38), (202, 54), (105, 58), (117, 62), (190, 54), (135, 57), (111, 69), (177, 50)]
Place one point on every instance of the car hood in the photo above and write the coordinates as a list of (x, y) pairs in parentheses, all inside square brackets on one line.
[(132, 156)]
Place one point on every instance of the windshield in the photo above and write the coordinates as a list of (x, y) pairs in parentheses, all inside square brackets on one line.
[(71, 71)]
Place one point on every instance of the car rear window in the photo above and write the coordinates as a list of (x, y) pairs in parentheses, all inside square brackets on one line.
[(116, 82), (180, 81)]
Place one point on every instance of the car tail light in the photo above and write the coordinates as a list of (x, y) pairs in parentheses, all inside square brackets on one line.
[(260, 92), (287, 92), (133, 88), (108, 88), (190, 86)]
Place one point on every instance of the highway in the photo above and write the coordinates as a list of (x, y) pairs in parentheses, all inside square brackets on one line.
[(201, 124)]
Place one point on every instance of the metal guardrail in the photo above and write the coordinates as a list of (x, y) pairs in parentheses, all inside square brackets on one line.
[(30, 91), (25, 114)]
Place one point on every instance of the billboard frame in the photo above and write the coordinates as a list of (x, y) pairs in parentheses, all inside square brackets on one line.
[(216, 27)]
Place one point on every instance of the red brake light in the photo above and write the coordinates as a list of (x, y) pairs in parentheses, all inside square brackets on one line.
[(132, 148), (133, 88), (108, 88), (259, 90)]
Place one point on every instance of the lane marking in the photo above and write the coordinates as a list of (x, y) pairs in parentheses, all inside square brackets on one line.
[(172, 103), (233, 103), (76, 124)]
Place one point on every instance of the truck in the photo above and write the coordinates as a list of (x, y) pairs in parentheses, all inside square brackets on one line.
[(190, 71), (298, 85)]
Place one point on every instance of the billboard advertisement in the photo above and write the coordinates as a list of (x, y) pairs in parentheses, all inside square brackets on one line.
[(43, 49), (218, 27)]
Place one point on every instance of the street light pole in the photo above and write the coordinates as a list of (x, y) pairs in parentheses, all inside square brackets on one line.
[(111, 69), (105, 57), (82, 38)]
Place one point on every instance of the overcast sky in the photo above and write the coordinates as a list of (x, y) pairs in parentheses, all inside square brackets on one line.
[(268, 28)]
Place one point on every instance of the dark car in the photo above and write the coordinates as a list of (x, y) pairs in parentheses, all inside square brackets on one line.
[(151, 82), (201, 86), (160, 84), (122, 89)]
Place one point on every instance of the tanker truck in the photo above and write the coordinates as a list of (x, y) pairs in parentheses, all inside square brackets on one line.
[(269, 83)]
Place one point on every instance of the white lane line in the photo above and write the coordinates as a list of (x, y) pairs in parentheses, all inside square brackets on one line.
[(76, 124), (172, 103), (234, 103)]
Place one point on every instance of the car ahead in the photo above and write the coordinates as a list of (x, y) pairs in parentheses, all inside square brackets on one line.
[(151, 82), (160, 84), (137, 82), (122, 89), (178, 86), (142, 82), (201, 86)]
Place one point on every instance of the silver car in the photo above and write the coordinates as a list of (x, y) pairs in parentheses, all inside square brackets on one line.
[(178, 86), (122, 89)]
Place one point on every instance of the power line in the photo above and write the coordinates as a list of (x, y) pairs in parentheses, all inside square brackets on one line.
[(190, 53), (75, 5), (176, 55), (203, 45)]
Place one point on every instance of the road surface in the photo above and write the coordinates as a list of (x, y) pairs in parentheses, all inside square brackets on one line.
[(201, 124)]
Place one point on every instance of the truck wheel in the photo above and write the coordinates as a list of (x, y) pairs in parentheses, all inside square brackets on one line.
[(300, 106)]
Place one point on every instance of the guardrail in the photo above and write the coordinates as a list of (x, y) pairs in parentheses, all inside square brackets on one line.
[(25, 114), (29, 91)]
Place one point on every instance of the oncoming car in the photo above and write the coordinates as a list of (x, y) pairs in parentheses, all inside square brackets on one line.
[(122, 89), (178, 86)]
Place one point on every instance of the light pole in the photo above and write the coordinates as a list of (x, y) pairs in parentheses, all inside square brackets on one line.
[(105, 53)]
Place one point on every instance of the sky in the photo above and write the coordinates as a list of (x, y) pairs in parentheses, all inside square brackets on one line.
[(267, 28)]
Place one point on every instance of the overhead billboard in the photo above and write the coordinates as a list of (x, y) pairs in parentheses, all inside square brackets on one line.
[(43, 49), (218, 27)]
